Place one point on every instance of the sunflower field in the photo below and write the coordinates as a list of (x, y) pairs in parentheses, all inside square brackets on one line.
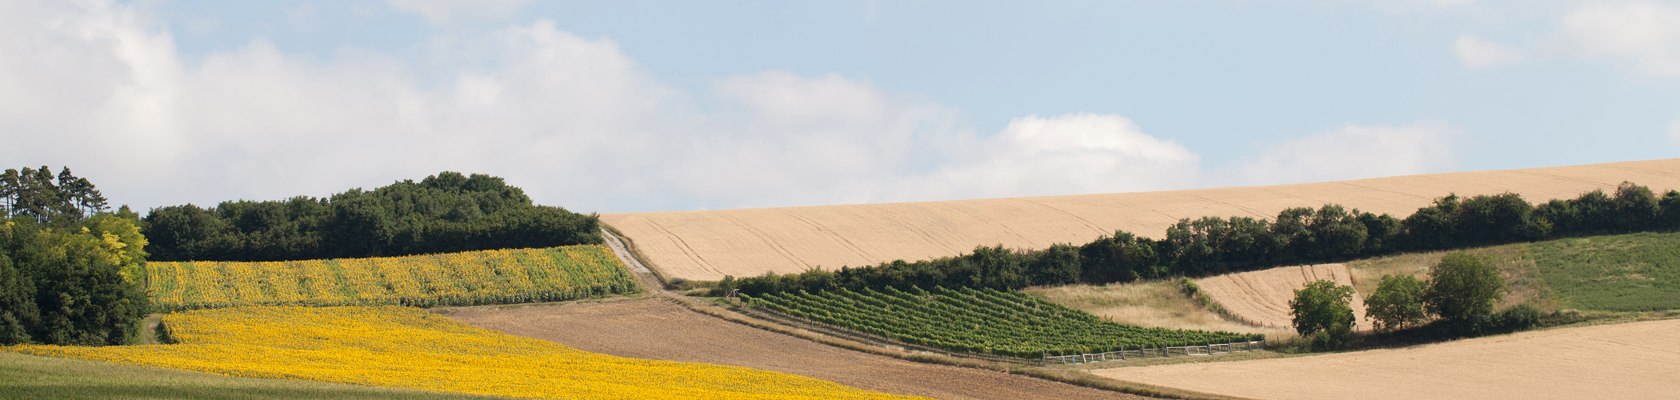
[(407, 347), (452, 279)]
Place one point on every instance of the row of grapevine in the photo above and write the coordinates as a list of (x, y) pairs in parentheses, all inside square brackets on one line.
[(466, 278), (977, 321)]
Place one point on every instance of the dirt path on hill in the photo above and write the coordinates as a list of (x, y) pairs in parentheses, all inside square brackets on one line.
[(656, 328)]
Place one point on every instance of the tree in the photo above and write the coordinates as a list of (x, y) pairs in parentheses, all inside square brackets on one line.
[(1397, 303), (1463, 289), (1121, 257), (1501, 218), (1057, 265), (77, 286), (1335, 234), (1636, 207), (1432, 227), (1321, 312), (1670, 205)]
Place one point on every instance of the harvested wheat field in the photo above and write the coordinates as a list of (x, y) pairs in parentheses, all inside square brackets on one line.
[(1261, 298), (706, 245), (1624, 361), (659, 329)]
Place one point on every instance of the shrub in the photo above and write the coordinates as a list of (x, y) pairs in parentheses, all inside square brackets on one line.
[(1519, 317), (1397, 303), (1463, 288)]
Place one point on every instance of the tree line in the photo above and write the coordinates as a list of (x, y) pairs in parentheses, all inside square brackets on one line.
[(37, 193), (70, 272), (447, 212), (1213, 245)]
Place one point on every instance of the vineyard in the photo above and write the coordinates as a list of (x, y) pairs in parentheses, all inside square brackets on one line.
[(410, 348), (467, 278), (978, 321)]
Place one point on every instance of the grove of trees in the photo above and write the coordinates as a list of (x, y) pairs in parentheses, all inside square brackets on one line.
[(1213, 245), (70, 272), (447, 212)]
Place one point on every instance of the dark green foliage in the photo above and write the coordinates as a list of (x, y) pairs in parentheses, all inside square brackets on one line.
[(1397, 303), (447, 212), (1483, 220), (1334, 234), (1669, 210), (1463, 288), (977, 321), (68, 286), (1211, 245), (70, 273), (1118, 258), (1635, 208), (1516, 318), (1322, 309), (1058, 265), (37, 194)]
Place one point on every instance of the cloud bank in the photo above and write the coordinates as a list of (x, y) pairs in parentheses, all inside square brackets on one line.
[(574, 120)]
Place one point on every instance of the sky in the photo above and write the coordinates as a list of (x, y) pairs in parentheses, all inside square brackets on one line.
[(624, 106)]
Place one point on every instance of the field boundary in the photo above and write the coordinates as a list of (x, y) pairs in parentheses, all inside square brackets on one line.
[(1167, 351)]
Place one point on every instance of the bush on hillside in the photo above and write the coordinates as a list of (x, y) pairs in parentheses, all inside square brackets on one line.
[(1397, 303), (1322, 314), (1463, 289)]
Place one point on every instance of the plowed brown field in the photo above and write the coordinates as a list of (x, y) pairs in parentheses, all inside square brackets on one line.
[(658, 329), (1638, 360), (1262, 297), (706, 245)]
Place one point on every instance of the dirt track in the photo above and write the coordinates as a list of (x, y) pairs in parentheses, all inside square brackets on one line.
[(1263, 297), (1624, 361), (658, 329), (706, 245)]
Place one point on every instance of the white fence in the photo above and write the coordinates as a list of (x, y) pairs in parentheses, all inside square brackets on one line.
[(1168, 351)]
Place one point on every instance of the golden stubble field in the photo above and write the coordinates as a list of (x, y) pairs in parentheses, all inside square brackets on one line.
[(1637, 360), (706, 245), (1262, 297)]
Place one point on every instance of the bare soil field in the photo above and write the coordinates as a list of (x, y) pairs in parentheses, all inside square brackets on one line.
[(1262, 297), (706, 245), (654, 328), (1623, 361)]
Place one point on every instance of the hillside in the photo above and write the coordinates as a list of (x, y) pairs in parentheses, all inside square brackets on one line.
[(707, 245)]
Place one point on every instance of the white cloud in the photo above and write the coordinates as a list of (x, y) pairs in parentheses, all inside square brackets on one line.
[(1474, 52), (1352, 152), (448, 11), (1066, 154), (571, 119), (1642, 32)]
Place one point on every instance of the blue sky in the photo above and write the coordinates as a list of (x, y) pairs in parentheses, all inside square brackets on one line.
[(642, 105)]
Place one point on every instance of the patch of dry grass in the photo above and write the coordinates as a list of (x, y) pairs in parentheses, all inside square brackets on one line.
[(1150, 304)]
